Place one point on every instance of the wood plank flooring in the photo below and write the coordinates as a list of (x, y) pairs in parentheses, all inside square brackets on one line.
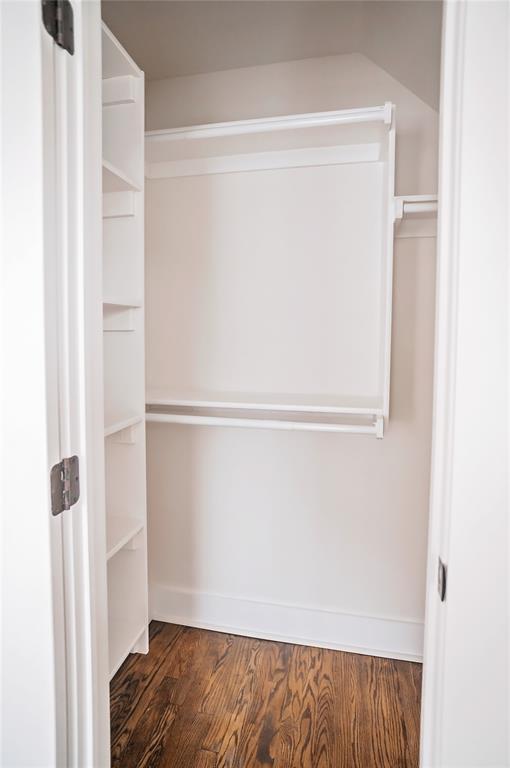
[(204, 699)]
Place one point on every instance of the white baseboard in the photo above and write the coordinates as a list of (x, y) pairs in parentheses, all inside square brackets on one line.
[(303, 625)]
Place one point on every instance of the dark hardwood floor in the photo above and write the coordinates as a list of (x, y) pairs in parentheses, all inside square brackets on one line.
[(208, 700)]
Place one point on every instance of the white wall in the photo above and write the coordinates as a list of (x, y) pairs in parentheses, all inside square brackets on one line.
[(176, 39), (315, 537), (390, 39)]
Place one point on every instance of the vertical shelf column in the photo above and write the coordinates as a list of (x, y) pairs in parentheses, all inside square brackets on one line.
[(123, 351)]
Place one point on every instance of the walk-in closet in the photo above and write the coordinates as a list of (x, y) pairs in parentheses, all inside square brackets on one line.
[(271, 224), (268, 317), (254, 463)]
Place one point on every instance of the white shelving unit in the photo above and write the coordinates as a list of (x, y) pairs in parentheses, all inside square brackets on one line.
[(274, 240), (123, 351)]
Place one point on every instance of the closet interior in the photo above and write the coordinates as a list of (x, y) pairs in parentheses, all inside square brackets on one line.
[(268, 291)]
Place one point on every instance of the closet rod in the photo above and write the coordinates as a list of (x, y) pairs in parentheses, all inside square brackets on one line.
[(409, 204), (218, 421), (265, 124), (420, 208)]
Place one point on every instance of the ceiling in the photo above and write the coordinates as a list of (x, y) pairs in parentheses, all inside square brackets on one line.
[(172, 39)]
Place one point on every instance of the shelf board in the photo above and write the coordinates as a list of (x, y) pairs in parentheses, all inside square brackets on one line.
[(118, 205), (264, 421), (117, 301), (118, 426), (115, 180), (317, 138), (118, 317), (378, 114), (119, 531), (119, 90), (116, 60), (325, 404)]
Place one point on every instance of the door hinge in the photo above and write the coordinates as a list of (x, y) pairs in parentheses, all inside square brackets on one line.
[(59, 22), (442, 572), (65, 484)]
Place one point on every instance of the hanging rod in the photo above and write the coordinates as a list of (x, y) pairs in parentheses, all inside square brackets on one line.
[(409, 204), (265, 124), (376, 428)]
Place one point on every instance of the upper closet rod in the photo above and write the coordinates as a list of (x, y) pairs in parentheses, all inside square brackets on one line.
[(265, 124)]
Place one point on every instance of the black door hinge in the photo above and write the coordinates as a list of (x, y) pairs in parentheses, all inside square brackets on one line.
[(65, 484), (442, 573), (58, 21)]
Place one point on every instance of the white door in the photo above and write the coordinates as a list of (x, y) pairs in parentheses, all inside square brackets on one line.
[(33, 665), (465, 712), (53, 677)]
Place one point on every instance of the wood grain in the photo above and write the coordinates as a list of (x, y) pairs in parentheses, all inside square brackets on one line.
[(204, 699)]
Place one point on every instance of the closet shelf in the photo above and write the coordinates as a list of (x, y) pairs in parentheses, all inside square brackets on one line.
[(355, 406), (118, 426), (116, 301), (118, 205), (115, 180), (266, 124), (318, 138), (116, 61), (119, 90), (119, 532), (118, 317)]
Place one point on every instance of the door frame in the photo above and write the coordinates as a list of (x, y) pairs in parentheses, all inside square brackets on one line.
[(465, 707), (85, 527)]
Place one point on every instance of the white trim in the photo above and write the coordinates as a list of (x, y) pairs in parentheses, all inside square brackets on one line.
[(303, 625), (90, 735), (265, 161), (444, 363), (465, 700)]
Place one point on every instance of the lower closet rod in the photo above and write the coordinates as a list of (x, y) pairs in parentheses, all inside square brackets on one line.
[(217, 421)]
